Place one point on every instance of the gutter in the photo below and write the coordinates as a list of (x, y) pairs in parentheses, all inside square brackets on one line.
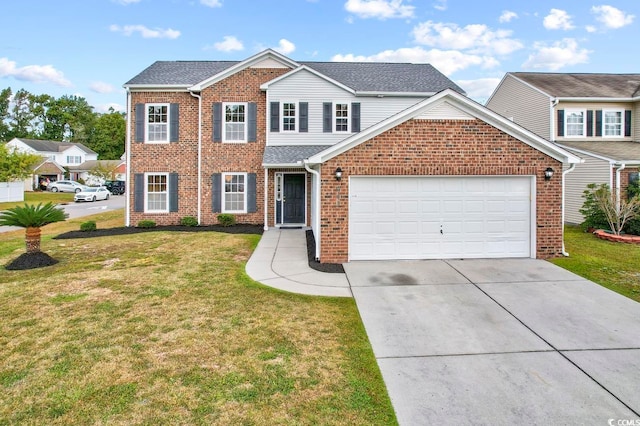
[(569, 170), (199, 155), (316, 213), (127, 186)]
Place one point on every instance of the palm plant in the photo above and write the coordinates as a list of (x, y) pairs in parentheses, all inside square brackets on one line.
[(32, 218)]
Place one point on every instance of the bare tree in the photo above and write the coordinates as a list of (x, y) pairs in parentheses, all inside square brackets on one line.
[(617, 211)]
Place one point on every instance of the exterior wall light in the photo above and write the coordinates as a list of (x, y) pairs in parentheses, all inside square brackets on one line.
[(548, 174), (338, 174)]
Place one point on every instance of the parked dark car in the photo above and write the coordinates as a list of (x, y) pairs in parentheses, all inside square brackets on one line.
[(116, 187)]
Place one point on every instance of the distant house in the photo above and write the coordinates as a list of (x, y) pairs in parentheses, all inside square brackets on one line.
[(595, 116)]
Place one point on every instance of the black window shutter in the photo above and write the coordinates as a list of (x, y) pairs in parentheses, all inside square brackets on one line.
[(327, 125), (627, 122), (275, 117), (174, 122), (589, 123), (599, 122), (252, 122), (560, 122), (173, 192), (217, 122), (139, 123), (252, 204), (216, 192), (355, 117), (304, 116), (138, 192)]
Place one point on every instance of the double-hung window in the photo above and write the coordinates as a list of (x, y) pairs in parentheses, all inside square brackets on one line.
[(341, 117), (157, 123), (157, 192), (612, 123), (235, 122), (288, 117), (74, 159), (575, 123), (234, 191)]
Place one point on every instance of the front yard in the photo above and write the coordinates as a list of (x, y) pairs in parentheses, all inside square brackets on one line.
[(165, 328), (36, 197)]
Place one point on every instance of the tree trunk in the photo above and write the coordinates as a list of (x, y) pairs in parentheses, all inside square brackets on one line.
[(32, 240)]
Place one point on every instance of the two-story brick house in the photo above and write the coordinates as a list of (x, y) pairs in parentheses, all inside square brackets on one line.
[(594, 116), (382, 161)]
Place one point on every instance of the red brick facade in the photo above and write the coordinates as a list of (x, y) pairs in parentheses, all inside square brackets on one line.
[(439, 148)]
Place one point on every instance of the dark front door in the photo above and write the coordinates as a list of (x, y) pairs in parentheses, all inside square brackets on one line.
[(293, 199)]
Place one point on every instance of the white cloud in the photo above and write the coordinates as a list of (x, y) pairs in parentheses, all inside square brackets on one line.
[(33, 73), (285, 47), (228, 44), (611, 17), (479, 89), (446, 61), (146, 32), (101, 87), (558, 55), (440, 5), (477, 38), (590, 29), (380, 9), (507, 16), (211, 3), (126, 2), (558, 20)]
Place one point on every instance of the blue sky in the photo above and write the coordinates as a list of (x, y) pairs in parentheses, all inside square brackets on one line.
[(91, 48)]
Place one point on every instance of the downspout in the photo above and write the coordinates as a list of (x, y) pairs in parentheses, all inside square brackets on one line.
[(127, 192), (552, 122), (618, 170), (199, 156), (569, 170), (316, 213), (266, 198)]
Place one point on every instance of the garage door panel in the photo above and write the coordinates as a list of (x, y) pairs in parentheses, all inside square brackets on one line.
[(401, 217)]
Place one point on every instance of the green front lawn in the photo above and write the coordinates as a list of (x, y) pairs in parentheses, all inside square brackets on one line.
[(166, 328), (37, 197), (615, 266)]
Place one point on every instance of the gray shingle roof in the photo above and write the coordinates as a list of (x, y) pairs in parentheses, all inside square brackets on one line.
[(291, 154), (619, 151), (367, 77), (53, 146), (584, 85)]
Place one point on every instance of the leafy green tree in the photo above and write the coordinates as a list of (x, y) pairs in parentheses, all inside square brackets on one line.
[(5, 99), (21, 116), (16, 165), (103, 171), (32, 218), (108, 136), (68, 118)]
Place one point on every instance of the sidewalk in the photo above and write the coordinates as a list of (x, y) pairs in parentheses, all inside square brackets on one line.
[(280, 261)]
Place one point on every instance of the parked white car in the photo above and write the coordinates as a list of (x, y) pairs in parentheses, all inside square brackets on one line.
[(92, 194), (66, 186)]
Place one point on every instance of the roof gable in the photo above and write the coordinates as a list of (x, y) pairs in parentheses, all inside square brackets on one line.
[(583, 85), (53, 146)]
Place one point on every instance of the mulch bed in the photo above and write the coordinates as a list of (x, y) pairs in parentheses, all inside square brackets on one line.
[(31, 261), (234, 229), (332, 268)]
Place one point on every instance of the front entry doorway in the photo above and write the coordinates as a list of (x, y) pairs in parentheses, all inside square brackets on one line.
[(291, 199)]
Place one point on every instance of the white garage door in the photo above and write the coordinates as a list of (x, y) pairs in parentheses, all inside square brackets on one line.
[(439, 217)]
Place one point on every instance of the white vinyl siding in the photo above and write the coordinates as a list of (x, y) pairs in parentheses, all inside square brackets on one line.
[(593, 170), (307, 87), (598, 106)]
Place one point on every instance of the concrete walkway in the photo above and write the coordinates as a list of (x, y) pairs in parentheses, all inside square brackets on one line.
[(280, 261)]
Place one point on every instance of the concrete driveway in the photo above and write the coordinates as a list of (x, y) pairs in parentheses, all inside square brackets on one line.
[(507, 341)]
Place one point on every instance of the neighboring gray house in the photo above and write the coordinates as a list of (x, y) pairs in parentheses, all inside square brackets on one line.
[(595, 116)]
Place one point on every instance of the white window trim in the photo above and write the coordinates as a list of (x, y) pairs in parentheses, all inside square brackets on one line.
[(146, 192), (223, 197), (224, 122), (146, 122), (295, 117), (622, 123), (69, 157), (335, 117), (584, 122)]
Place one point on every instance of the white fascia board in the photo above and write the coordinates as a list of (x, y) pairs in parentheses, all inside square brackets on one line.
[(265, 86), (157, 87), (242, 65), (604, 100), (298, 165), (395, 94)]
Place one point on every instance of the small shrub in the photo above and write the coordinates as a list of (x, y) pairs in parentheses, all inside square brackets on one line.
[(594, 216), (88, 226), (147, 224), (189, 221), (226, 219)]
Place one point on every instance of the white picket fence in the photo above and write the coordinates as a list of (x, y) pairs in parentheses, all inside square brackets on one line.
[(11, 191)]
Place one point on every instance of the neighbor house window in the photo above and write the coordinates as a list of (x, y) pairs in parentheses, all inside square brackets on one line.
[(235, 123), (612, 123), (234, 199), (288, 117), (157, 123), (575, 123), (157, 193), (342, 117), (74, 159)]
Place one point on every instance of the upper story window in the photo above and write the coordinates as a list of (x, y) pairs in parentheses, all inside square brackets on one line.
[(288, 117), (612, 123), (235, 122), (575, 123), (157, 123), (341, 117), (74, 159)]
